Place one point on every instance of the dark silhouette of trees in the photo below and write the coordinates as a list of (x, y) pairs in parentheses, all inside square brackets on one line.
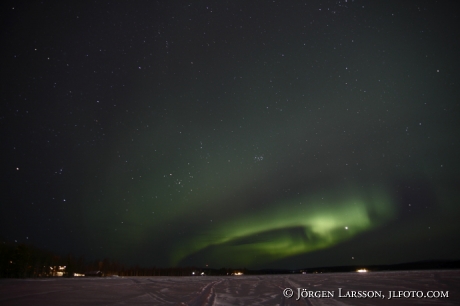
[(22, 261)]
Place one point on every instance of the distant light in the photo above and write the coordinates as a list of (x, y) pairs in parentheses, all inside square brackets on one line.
[(346, 227), (361, 270), (193, 273)]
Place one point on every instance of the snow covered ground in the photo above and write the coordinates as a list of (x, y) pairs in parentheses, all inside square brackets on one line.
[(238, 290)]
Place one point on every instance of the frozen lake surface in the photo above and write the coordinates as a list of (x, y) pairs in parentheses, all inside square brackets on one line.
[(237, 290)]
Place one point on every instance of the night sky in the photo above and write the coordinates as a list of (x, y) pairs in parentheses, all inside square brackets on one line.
[(257, 134)]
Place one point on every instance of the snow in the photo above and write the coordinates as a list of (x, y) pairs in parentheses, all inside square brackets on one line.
[(230, 290)]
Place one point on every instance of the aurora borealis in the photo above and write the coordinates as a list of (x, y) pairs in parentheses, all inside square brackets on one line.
[(291, 228), (248, 134)]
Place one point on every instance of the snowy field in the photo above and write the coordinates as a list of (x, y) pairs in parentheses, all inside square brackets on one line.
[(329, 289)]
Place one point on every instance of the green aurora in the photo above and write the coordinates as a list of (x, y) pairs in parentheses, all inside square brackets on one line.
[(293, 227), (275, 136)]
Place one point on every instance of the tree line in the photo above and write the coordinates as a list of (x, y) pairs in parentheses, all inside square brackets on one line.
[(27, 261)]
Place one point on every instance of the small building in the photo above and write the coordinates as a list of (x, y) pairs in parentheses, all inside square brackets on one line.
[(57, 270)]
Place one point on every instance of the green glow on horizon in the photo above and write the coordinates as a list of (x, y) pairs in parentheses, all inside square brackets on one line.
[(291, 228)]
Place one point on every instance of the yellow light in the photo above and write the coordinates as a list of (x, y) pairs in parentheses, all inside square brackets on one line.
[(361, 270)]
